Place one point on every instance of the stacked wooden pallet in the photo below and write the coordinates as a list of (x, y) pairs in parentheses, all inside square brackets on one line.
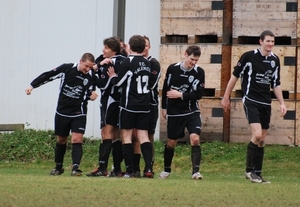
[(224, 30), (186, 22), (250, 18)]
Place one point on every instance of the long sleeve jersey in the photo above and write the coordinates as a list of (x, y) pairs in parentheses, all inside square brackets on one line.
[(190, 83), (75, 88), (155, 75), (108, 89), (134, 79), (258, 73)]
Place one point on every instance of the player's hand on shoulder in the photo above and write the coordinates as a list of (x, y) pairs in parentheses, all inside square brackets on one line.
[(111, 72), (28, 90)]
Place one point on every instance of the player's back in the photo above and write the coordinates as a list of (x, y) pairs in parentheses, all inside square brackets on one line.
[(135, 85)]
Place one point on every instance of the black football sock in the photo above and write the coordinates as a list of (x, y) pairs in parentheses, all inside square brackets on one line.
[(117, 155), (104, 153), (152, 163), (168, 156), (146, 149), (259, 160), (60, 150), (251, 154), (196, 158), (128, 157), (76, 155), (136, 162)]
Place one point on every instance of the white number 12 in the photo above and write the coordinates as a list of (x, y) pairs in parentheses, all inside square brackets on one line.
[(142, 89)]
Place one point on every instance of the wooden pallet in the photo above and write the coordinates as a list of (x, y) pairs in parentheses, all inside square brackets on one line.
[(251, 17), (250, 40), (297, 94), (297, 125), (287, 56), (282, 129), (11, 127), (212, 122), (286, 95), (210, 60), (191, 39), (183, 17)]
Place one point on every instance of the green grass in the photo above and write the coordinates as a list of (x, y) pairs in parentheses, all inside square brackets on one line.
[(25, 180)]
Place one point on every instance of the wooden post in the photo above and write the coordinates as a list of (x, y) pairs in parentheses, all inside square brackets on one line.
[(225, 76)]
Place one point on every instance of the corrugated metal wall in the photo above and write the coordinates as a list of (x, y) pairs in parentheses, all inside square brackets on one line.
[(143, 17), (38, 35)]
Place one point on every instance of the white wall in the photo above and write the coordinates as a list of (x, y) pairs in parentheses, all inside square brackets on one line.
[(143, 18), (38, 35)]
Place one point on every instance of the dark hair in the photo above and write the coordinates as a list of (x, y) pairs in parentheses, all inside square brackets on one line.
[(88, 56), (147, 38), (266, 33), (137, 43), (113, 43), (193, 50)]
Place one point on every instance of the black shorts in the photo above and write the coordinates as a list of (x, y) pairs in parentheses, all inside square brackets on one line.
[(257, 113), (63, 125), (153, 119), (176, 125), (131, 120), (109, 112)]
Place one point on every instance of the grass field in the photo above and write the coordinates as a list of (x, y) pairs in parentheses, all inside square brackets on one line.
[(25, 180), (30, 185)]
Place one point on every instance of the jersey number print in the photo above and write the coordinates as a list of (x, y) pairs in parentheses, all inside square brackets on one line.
[(142, 80)]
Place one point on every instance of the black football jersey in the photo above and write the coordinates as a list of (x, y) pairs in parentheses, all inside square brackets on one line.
[(258, 74), (107, 89), (134, 79), (190, 83), (75, 88), (155, 75)]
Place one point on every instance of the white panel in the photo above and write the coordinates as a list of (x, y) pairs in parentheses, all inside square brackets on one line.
[(38, 35), (143, 18)]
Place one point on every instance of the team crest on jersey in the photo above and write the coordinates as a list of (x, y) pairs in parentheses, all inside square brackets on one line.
[(191, 78), (272, 63), (85, 81), (102, 76), (154, 72)]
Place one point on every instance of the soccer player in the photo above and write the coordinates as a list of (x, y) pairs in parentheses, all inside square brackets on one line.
[(259, 70), (134, 105), (183, 87), (109, 109), (78, 83), (155, 70)]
